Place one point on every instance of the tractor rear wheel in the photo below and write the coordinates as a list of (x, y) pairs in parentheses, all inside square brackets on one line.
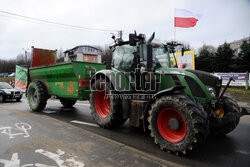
[(67, 102), (177, 123), (106, 111), (228, 121), (37, 96)]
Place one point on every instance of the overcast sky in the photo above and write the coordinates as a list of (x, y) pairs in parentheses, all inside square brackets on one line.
[(222, 20)]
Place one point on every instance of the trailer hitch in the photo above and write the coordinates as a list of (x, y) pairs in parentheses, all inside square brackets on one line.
[(221, 95)]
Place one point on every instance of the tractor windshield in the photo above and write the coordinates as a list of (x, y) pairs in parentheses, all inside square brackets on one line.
[(123, 58), (162, 57)]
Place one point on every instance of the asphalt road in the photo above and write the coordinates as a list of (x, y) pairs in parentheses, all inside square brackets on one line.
[(73, 136)]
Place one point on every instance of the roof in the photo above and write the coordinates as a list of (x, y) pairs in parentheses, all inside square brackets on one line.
[(80, 47)]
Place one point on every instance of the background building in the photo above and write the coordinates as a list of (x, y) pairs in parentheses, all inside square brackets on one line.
[(235, 45), (83, 53)]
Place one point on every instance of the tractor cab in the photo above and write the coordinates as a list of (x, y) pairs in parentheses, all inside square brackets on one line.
[(127, 57)]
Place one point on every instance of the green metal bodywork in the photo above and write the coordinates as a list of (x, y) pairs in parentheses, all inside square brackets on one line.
[(62, 80), (167, 81), (124, 82)]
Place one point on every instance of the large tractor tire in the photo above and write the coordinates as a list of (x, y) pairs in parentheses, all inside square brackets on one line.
[(177, 123), (37, 96), (67, 102), (228, 121), (106, 111)]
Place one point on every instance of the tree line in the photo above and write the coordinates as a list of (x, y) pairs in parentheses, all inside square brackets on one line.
[(9, 66), (223, 59), (209, 58)]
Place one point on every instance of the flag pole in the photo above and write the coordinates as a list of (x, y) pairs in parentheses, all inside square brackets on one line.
[(174, 33)]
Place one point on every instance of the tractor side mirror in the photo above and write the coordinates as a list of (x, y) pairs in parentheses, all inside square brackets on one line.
[(182, 51), (132, 39)]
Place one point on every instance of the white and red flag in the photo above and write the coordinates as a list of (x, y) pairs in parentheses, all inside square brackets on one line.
[(185, 19)]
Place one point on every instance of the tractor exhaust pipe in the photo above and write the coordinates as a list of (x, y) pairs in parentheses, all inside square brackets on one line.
[(150, 53)]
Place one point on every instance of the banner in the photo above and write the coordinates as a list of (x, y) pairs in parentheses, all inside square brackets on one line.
[(186, 61), (21, 78), (42, 57), (240, 78)]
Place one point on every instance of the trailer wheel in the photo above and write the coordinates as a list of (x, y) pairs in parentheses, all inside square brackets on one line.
[(106, 111), (67, 102), (177, 123), (228, 121), (37, 96)]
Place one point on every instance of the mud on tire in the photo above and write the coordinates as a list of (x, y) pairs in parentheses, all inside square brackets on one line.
[(229, 121), (193, 123), (106, 111), (37, 96)]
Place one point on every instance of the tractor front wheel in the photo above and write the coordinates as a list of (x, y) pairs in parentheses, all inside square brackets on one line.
[(106, 111), (226, 119), (177, 123)]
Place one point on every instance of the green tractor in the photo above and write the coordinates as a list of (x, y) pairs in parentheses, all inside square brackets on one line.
[(178, 107)]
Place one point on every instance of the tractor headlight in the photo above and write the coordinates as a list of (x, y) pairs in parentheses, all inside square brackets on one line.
[(211, 91)]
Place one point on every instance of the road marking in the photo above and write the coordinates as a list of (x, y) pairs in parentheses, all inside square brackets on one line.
[(77, 103), (154, 158), (84, 123), (57, 157), (82, 104), (20, 129)]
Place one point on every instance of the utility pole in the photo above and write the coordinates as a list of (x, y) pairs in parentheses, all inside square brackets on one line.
[(25, 57), (120, 34), (247, 80)]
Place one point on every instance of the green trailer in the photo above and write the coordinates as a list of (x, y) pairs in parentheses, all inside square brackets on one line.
[(69, 82)]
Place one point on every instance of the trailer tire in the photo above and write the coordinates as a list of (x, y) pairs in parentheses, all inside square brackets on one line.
[(229, 121), (37, 96), (106, 111), (67, 102), (177, 123)]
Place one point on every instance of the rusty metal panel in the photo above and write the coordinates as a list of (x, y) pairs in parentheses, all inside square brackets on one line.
[(42, 57), (137, 112)]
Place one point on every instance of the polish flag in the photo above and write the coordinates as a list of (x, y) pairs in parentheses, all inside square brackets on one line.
[(185, 19)]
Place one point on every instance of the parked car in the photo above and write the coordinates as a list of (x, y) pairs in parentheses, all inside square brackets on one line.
[(8, 92), (12, 74), (4, 75)]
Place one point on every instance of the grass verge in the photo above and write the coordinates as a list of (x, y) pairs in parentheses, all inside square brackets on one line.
[(240, 93)]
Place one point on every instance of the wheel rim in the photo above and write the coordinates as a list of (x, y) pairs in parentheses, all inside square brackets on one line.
[(163, 120), (1, 98), (102, 105), (33, 96)]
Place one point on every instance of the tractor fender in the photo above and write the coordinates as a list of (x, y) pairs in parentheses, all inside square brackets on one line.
[(119, 82), (169, 91), (162, 93)]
